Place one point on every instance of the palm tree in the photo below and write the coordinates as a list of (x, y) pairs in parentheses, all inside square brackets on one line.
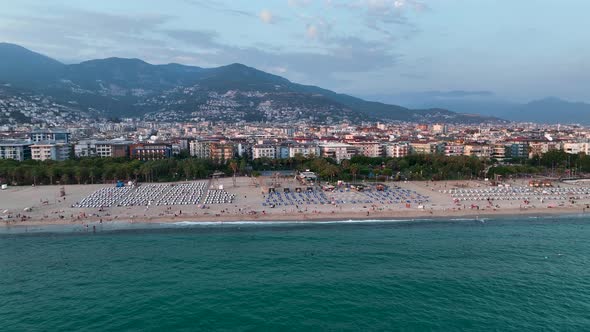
[(234, 167), (354, 169)]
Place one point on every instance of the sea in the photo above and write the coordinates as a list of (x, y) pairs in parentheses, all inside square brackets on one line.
[(504, 274)]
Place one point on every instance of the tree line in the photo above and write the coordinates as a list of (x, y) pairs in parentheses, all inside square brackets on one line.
[(359, 168)]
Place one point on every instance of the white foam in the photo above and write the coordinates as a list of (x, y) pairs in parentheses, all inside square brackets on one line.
[(288, 222)]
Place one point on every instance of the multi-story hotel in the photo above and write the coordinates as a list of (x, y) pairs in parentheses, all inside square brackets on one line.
[(15, 149)]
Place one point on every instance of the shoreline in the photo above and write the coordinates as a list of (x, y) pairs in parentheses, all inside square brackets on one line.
[(409, 216), (43, 206)]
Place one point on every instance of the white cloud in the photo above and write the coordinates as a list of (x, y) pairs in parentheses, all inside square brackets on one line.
[(280, 70), (318, 28), (312, 32), (299, 3), (266, 16)]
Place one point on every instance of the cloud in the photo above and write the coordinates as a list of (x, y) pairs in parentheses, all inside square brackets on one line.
[(72, 35), (349, 54), (266, 16), (75, 34), (220, 7), (317, 28), (311, 31), (299, 3)]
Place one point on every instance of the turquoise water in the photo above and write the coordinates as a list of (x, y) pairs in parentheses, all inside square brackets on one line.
[(505, 274)]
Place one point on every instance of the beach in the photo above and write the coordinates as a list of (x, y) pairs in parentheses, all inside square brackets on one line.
[(42, 205)]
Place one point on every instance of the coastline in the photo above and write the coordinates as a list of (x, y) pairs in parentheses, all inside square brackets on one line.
[(408, 216), (42, 206)]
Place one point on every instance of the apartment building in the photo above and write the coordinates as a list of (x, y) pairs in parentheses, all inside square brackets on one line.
[(396, 150), (264, 151), (478, 150), (152, 151), (50, 150), (369, 149), (212, 149), (424, 147), (454, 149), (338, 151), (15, 149), (305, 150), (51, 134)]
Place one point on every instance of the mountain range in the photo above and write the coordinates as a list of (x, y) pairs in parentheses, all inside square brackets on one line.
[(117, 87), (549, 110)]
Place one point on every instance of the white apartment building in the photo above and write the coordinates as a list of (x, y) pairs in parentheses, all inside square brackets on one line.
[(575, 147), (397, 150), (305, 150), (264, 151), (338, 151)]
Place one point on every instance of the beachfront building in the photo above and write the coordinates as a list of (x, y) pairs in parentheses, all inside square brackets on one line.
[(307, 150), (517, 149), (499, 151), (477, 150), (283, 151), (338, 151), (424, 147), (221, 151), (15, 149), (575, 147), (539, 148), (151, 151), (454, 149), (113, 149), (103, 149), (396, 150), (369, 149), (264, 151), (200, 149), (85, 148), (212, 149), (50, 150), (51, 134)]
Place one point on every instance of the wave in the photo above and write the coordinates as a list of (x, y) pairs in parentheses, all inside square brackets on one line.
[(289, 222), (187, 224)]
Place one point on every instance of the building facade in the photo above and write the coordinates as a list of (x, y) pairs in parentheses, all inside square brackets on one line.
[(15, 149), (50, 150), (153, 151), (52, 134)]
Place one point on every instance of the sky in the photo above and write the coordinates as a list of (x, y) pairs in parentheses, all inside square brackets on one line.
[(516, 49)]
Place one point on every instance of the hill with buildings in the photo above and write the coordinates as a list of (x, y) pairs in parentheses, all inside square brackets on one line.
[(131, 87)]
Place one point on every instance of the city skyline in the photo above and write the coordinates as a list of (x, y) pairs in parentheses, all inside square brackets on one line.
[(357, 47)]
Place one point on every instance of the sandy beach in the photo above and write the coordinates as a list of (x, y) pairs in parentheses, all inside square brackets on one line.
[(42, 205)]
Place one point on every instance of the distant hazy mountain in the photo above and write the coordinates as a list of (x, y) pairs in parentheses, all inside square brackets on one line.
[(132, 87), (552, 110), (549, 110)]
